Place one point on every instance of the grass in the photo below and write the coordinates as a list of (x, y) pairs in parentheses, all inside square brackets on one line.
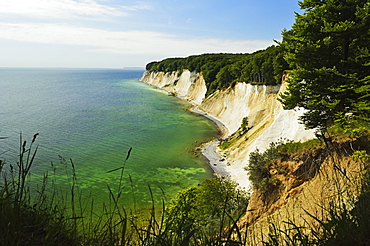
[(42, 215), (208, 214), (299, 147), (226, 144), (28, 219)]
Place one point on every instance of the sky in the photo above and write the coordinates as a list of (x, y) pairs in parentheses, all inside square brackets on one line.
[(126, 33)]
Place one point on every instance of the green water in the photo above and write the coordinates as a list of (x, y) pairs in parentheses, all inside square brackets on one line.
[(94, 117)]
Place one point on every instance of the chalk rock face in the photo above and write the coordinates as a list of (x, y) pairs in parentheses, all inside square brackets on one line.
[(268, 121), (244, 100), (187, 85)]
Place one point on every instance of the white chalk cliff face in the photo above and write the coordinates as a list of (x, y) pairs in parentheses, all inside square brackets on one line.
[(268, 120), (189, 86)]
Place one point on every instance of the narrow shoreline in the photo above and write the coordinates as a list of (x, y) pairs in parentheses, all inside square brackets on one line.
[(224, 131), (208, 150)]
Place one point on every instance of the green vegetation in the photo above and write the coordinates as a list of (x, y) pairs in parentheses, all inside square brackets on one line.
[(350, 128), (207, 202), (291, 147), (328, 49), (44, 215), (224, 144), (261, 164), (244, 128), (259, 168), (27, 219), (348, 216), (231, 140), (207, 209), (224, 70)]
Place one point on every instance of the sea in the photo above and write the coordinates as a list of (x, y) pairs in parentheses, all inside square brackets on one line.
[(101, 128)]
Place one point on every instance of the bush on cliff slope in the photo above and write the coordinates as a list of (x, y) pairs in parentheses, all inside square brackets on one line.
[(259, 168), (264, 168)]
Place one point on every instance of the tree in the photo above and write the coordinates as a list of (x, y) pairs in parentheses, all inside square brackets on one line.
[(223, 70), (203, 206), (328, 48), (259, 170)]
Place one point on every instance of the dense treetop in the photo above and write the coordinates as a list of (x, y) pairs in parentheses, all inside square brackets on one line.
[(328, 48), (224, 70)]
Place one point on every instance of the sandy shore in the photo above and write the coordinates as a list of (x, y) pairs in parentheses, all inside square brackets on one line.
[(216, 162), (219, 164), (224, 131)]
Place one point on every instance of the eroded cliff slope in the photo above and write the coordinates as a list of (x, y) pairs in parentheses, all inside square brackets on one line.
[(312, 188), (268, 121)]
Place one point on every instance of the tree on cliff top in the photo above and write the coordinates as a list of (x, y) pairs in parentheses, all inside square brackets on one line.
[(223, 70), (328, 48)]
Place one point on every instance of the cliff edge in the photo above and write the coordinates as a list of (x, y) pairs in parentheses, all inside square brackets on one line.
[(267, 120)]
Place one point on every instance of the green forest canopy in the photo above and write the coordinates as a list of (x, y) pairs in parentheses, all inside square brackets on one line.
[(224, 70), (328, 49)]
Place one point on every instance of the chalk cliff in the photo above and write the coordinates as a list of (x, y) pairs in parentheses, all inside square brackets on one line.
[(187, 85), (310, 183), (268, 121)]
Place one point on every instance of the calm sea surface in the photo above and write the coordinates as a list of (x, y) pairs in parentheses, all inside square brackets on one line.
[(93, 117)]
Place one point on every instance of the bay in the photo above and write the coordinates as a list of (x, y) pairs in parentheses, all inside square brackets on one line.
[(93, 117)]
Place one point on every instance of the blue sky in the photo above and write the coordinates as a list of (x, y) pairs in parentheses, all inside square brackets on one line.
[(122, 33)]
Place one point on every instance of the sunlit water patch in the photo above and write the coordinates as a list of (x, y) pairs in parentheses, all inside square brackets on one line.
[(94, 117)]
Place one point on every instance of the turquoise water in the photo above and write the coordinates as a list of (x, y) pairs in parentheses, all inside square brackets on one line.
[(94, 117)]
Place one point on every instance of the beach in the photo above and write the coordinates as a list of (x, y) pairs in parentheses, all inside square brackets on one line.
[(209, 150), (220, 164), (215, 161)]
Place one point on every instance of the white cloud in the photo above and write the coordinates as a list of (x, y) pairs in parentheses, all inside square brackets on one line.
[(124, 42), (63, 9), (138, 6)]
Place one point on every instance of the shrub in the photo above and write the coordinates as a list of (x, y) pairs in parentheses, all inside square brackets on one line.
[(258, 168), (207, 209), (244, 128), (291, 147)]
